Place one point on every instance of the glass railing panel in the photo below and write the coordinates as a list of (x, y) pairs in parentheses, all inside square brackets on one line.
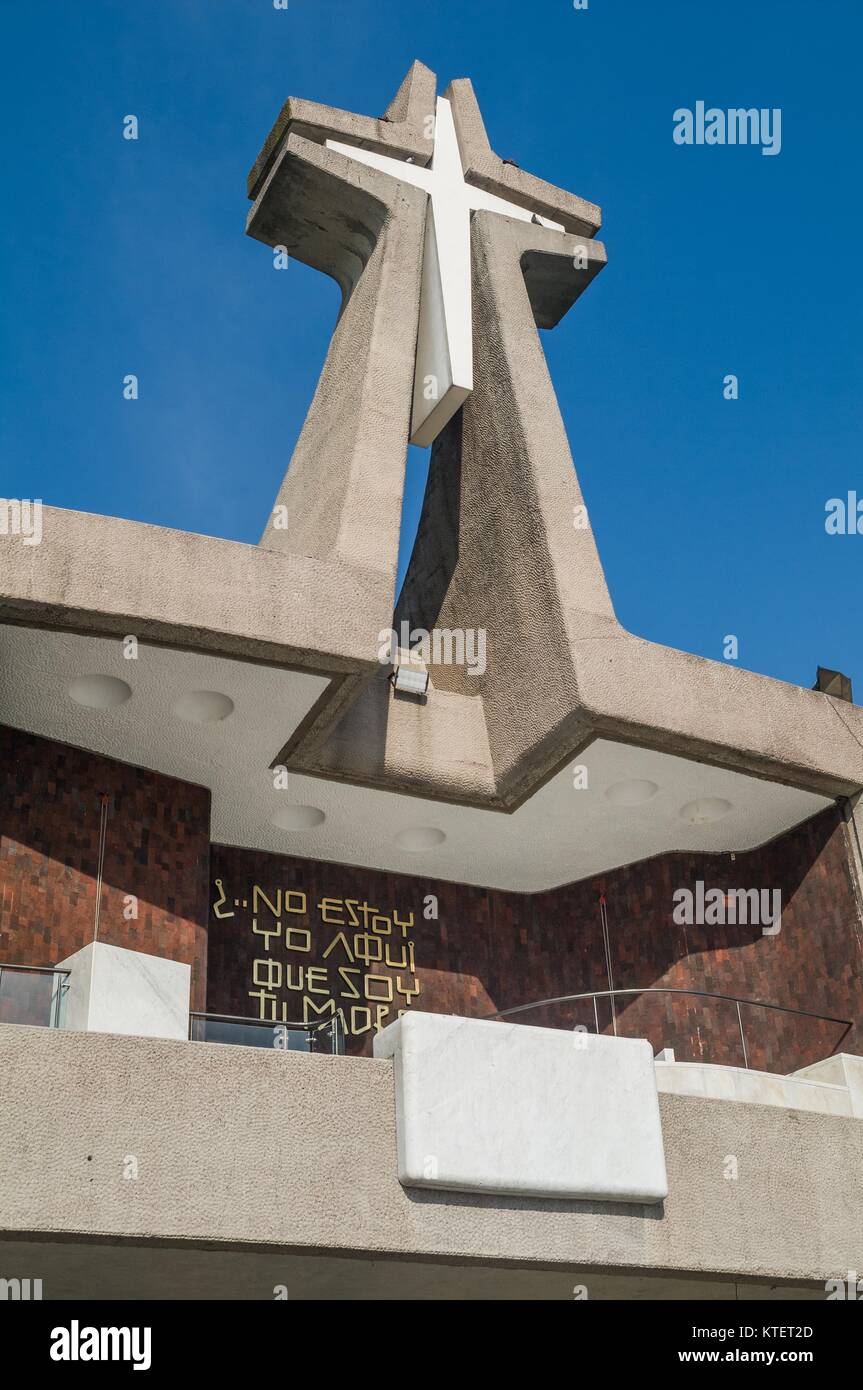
[(30, 995), (249, 1032), (698, 1025)]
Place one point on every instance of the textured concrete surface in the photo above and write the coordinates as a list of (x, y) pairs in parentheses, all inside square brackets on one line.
[(852, 815), (492, 556), (487, 170), (507, 557), (107, 577), (343, 487), (237, 1146), (496, 548), (401, 132), (99, 574), (313, 596), (437, 747)]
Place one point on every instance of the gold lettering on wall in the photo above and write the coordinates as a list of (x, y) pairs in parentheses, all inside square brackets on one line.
[(369, 953)]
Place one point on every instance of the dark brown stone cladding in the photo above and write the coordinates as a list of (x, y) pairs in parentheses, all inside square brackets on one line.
[(157, 850), (485, 950), (489, 950)]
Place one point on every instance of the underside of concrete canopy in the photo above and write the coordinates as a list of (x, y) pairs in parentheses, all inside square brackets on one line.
[(680, 752)]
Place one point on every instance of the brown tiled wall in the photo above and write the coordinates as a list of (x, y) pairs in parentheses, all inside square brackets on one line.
[(483, 950), (157, 849), (489, 950)]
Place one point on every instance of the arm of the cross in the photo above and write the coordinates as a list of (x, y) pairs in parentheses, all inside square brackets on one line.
[(343, 489), (557, 270), (405, 131), (486, 170), (325, 209)]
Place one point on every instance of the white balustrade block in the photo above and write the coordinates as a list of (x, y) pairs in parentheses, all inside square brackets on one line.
[(507, 1108), (112, 990)]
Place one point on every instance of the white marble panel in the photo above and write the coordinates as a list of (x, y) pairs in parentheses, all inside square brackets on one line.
[(844, 1069), (503, 1107), (113, 990)]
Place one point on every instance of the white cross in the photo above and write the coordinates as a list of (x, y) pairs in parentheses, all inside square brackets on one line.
[(443, 376)]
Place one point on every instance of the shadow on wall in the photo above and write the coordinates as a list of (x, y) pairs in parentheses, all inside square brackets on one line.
[(154, 889), (481, 951), (485, 950), (808, 958)]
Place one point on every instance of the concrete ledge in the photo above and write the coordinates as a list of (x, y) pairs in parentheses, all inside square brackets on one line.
[(794, 1092), (240, 1147), (844, 1071), (180, 589)]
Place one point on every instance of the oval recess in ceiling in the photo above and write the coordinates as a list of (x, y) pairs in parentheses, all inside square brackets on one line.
[(632, 793), (298, 818), (99, 692), (705, 809), (420, 837), (203, 706)]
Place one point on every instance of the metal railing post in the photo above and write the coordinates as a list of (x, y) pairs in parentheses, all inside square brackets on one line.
[(742, 1037)]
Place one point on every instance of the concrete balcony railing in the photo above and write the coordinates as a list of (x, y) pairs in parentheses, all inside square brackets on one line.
[(169, 1170)]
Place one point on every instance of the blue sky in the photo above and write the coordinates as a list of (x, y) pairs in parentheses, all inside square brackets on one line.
[(121, 256)]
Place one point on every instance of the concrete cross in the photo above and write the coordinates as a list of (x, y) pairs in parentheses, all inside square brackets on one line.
[(443, 375), (436, 144), (398, 210)]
